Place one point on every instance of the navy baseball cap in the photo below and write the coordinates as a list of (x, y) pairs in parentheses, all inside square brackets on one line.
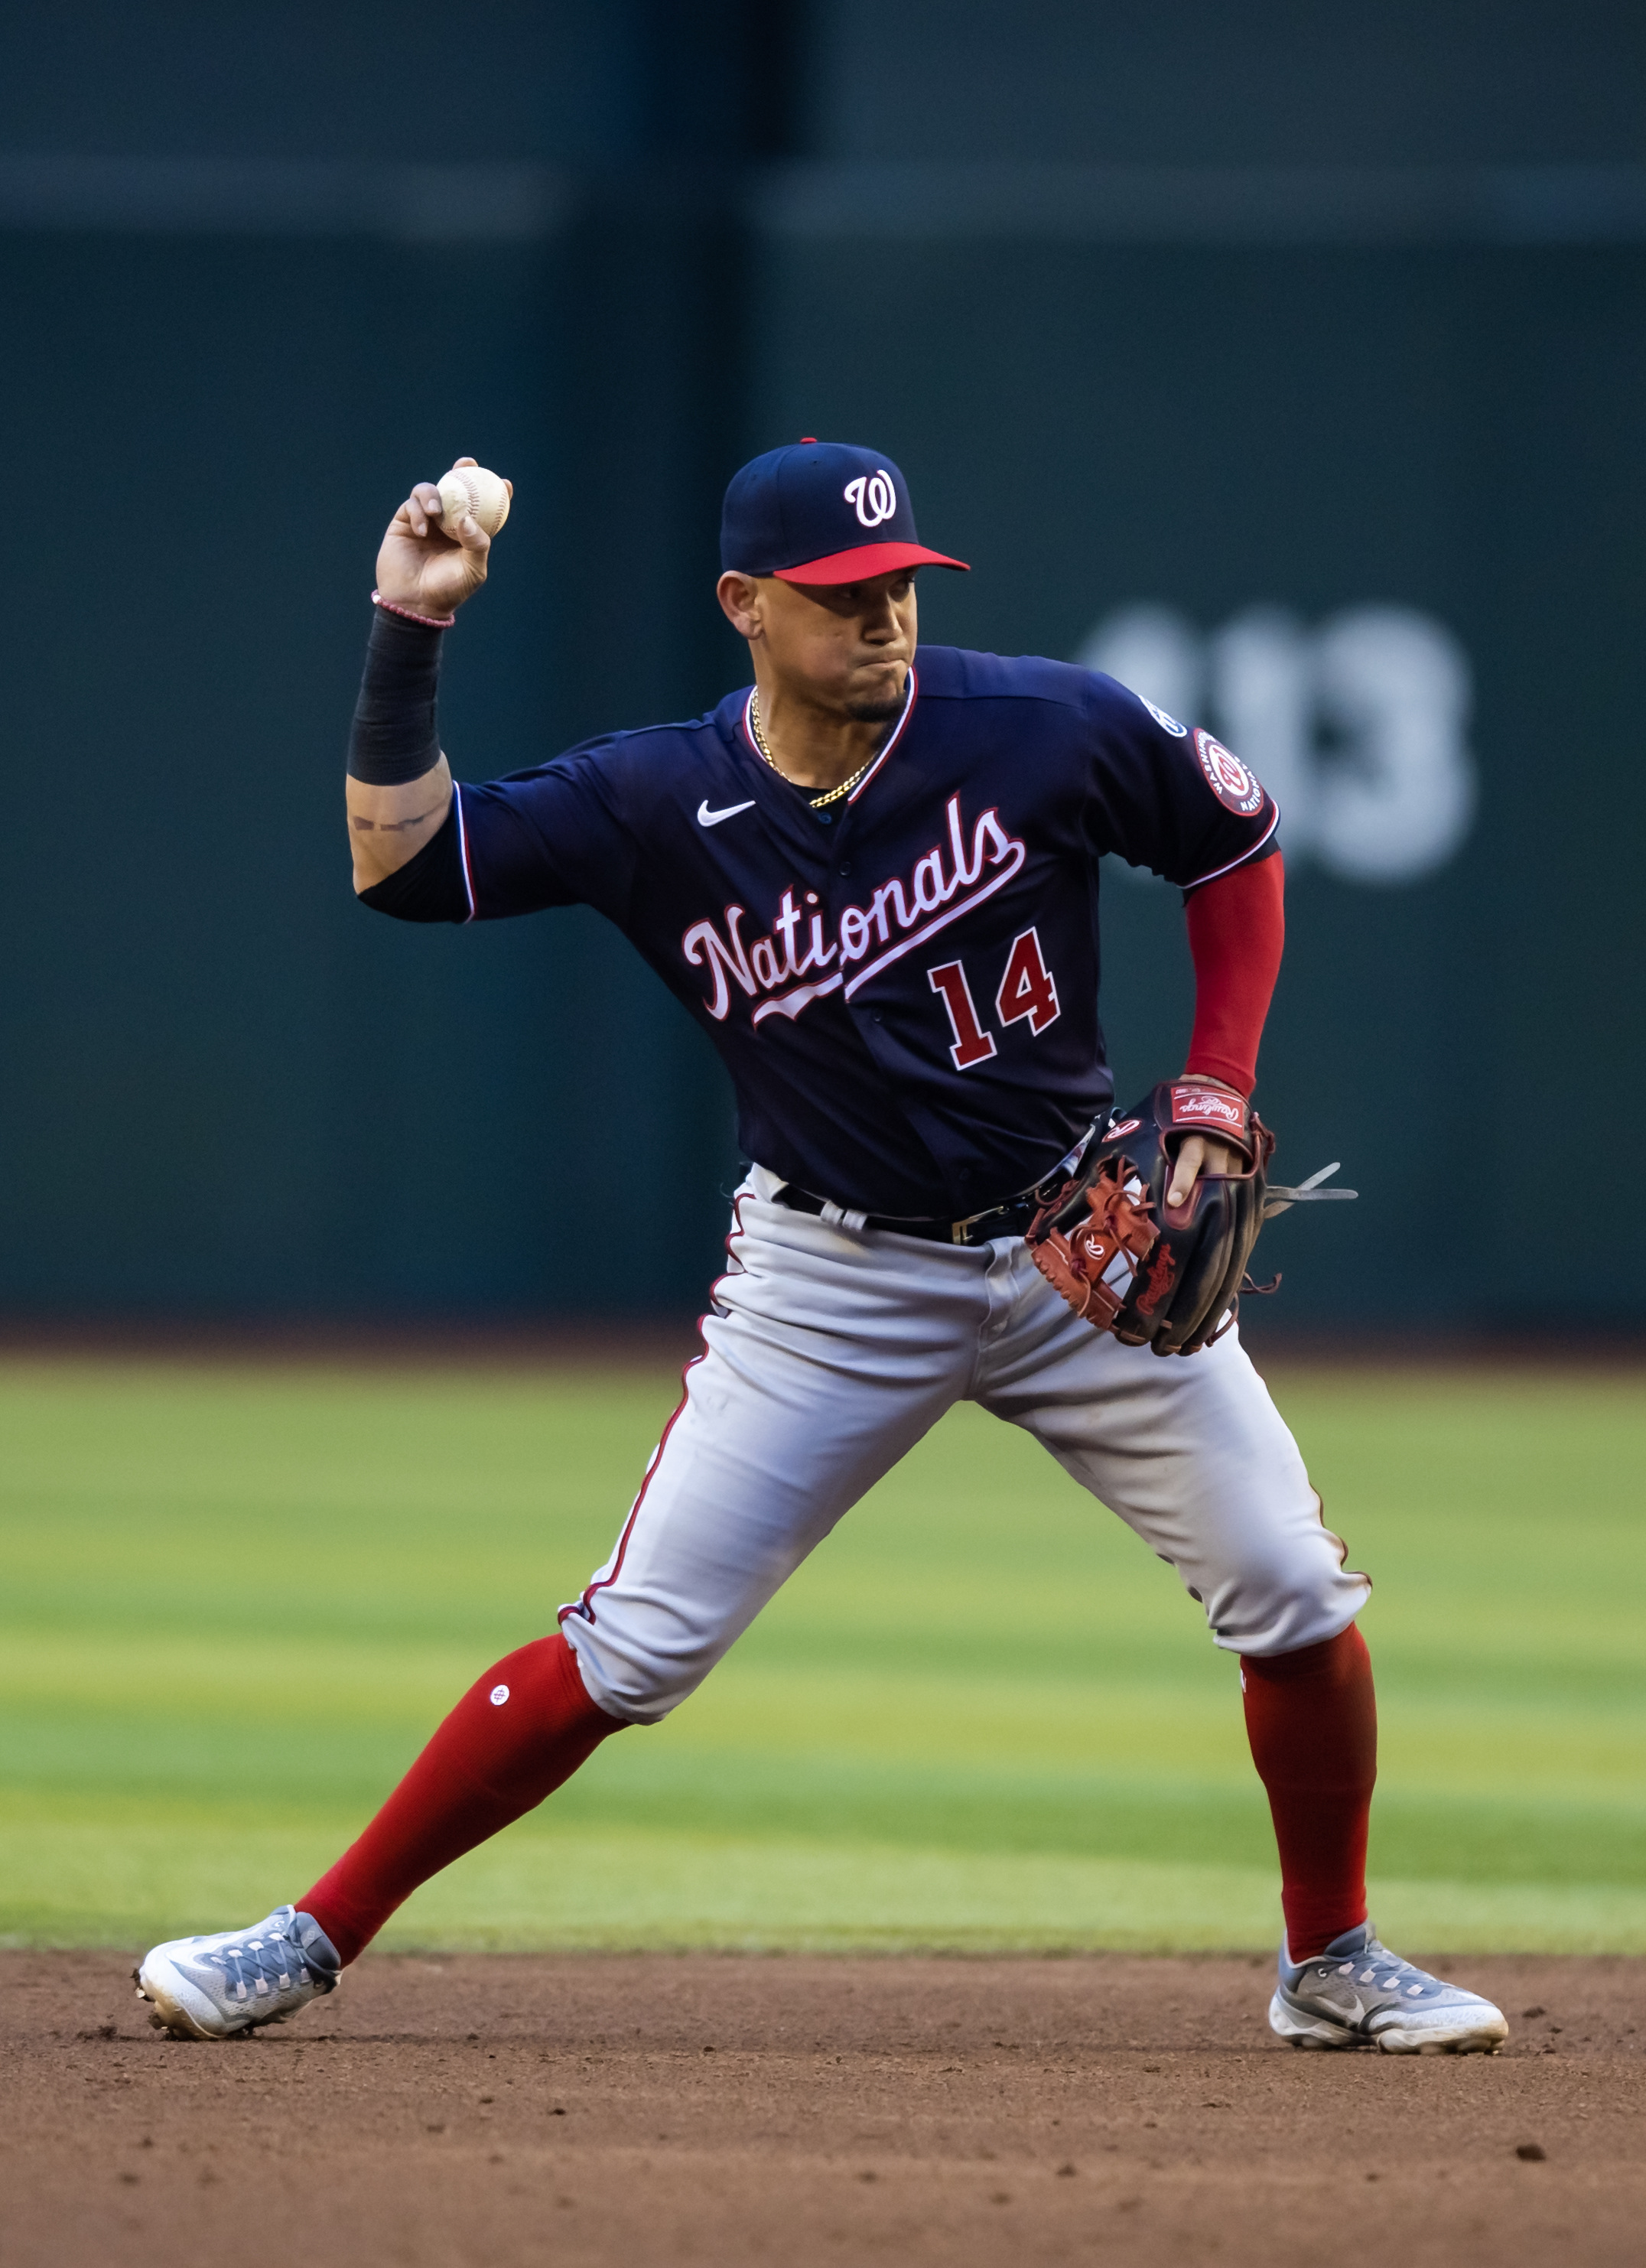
[(821, 512)]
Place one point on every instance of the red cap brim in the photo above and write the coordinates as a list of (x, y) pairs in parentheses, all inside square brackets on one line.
[(867, 559)]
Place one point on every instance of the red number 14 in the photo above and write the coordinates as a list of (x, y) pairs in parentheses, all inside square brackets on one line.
[(1026, 990)]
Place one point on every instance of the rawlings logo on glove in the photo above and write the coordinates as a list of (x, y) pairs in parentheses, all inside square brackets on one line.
[(1097, 1220), (1204, 1106)]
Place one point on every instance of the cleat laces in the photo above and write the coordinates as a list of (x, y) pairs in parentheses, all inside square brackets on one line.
[(257, 1966), (1402, 1977), (1384, 1971)]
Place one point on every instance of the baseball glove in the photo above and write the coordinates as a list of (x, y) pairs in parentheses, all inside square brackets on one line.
[(1183, 1271)]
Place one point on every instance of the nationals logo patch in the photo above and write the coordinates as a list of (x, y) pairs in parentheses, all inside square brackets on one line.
[(1235, 788)]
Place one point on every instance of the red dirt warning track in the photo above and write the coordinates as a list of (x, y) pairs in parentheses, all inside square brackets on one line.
[(605, 2112)]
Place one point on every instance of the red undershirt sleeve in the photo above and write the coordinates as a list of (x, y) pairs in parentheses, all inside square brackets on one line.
[(1237, 930)]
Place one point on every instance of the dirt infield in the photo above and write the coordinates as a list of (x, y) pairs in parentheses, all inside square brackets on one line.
[(589, 2111)]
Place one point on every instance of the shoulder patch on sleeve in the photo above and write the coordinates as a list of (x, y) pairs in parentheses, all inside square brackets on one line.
[(1235, 788)]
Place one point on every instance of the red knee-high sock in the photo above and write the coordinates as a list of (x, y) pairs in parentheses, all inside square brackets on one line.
[(516, 1735), (1312, 1718)]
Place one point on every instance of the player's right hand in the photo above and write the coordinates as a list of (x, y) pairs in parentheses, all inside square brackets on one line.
[(423, 564)]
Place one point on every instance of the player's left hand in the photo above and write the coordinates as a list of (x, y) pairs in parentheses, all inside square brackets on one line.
[(1190, 1257), (1200, 1152)]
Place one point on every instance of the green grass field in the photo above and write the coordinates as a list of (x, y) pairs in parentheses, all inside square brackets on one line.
[(233, 1602)]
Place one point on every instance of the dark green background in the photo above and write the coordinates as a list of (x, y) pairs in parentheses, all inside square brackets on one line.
[(229, 1092)]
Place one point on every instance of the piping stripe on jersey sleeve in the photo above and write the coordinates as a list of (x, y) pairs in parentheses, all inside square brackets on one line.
[(1200, 880), (462, 844)]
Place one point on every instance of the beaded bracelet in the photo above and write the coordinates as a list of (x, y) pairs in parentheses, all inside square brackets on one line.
[(429, 621)]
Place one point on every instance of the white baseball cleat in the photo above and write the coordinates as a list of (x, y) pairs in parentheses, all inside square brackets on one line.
[(209, 1988), (1358, 1994)]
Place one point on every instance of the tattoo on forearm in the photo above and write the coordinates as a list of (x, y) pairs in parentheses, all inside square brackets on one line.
[(390, 826)]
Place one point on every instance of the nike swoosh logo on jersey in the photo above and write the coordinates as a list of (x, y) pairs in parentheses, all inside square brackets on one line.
[(707, 818)]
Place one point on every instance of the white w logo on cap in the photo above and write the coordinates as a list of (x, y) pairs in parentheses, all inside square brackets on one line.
[(874, 497)]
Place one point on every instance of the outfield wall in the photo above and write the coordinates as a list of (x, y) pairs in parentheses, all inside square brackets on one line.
[(1346, 460)]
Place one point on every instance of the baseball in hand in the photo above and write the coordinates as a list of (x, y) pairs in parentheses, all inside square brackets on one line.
[(471, 487)]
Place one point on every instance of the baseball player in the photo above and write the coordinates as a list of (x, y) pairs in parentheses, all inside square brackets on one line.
[(871, 875)]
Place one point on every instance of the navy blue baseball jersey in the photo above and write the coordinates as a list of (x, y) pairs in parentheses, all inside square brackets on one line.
[(904, 986)]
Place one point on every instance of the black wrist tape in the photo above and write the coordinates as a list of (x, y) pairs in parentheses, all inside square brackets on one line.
[(394, 738)]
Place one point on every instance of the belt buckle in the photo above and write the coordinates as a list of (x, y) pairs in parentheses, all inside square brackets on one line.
[(957, 1229)]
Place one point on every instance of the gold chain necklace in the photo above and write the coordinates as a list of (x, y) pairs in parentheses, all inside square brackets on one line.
[(830, 795)]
